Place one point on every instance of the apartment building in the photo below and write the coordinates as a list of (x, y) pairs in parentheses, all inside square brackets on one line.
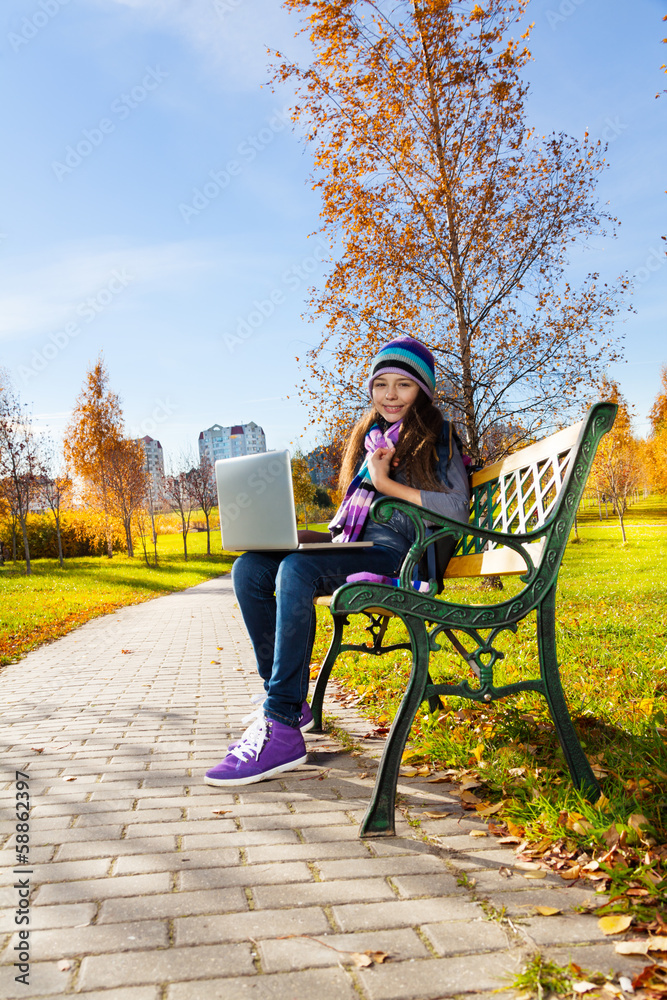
[(227, 442)]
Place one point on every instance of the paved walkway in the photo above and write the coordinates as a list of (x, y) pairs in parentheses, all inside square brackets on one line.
[(149, 884)]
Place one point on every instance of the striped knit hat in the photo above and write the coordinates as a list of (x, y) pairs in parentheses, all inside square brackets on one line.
[(405, 356)]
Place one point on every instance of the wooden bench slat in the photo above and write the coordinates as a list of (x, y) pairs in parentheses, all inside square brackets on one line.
[(495, 562)]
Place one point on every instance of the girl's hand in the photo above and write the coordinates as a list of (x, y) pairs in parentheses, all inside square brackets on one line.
[(380, 464)]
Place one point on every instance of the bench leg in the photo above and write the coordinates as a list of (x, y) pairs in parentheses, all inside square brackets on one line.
[(379, 818), (340, 621), (580, 769)]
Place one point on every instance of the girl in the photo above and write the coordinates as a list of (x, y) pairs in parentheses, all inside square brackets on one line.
[(410, 453)]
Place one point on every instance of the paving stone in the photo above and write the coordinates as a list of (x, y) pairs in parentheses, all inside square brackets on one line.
[(46, 979), (204, 808), (63, 871), (598, 958), (573, 928), (322, 893), (305, 852), (256, 924), (114, 847), (161, 815), (295, 821), (174, 861), (173, 904), (103, 888), (239, 838), (167, 965), (316, 983), (60, 808), (374, 867), (246, 875), (521, 903), (436, 884), (304, 953), (469, 937), (403, 913), (45, 917), (47, 944), (329, 834), (437, 978)]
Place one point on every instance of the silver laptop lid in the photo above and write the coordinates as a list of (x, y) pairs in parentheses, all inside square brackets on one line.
[(256, 502)]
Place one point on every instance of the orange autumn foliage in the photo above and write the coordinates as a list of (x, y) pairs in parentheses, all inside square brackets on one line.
[(448, 217)]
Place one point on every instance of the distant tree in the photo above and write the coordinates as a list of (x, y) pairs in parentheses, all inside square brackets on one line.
[(618, 469), (204, 493), (451, 220), (177, 495), (304, 488), (19, 461), (126, 483), (95, 429), (656, 445), (54, 486)]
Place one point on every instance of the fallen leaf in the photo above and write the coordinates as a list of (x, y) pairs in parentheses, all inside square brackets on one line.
[(38, 749), (64, 965), (361, 960), (69, 777), (470, 798), (509, 840), (220, 812), (434, 814), (217, 662), (540, 874), (485, 810), (478, 833), (505, 872), (571, 873), (127, 651), (547, 911), (378, 956), (527, 866), (641, 946), (626, 984), (583, 987), (614, 924)]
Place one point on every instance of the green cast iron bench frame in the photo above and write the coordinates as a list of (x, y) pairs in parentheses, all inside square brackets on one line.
[(522, 510)]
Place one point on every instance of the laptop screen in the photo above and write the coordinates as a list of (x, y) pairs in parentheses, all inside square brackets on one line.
[(256, 502)]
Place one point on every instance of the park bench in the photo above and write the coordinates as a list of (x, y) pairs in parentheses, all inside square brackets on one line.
[(522, 510)]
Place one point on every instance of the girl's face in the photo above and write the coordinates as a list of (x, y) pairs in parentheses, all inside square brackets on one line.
[(393, 395)]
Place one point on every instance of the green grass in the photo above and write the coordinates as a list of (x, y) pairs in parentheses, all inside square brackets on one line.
[(612, 645), (52, 601)]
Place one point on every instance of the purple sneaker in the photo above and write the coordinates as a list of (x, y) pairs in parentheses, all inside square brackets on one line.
[(254, 719), (266, 748)]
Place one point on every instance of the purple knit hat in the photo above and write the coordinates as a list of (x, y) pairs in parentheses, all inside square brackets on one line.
[(405, 356)]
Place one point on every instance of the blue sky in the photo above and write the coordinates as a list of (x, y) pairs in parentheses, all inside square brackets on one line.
[(156, 204)]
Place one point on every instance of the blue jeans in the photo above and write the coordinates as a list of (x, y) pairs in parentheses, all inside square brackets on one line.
[(275, 592)]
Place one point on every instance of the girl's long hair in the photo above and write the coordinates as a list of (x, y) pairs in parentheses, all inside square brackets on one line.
[(416, 449)]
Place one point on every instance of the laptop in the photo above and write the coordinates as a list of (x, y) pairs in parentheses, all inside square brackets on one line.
[(256, 503)]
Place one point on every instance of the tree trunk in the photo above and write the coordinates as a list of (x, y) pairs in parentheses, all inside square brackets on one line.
[(24, 530), (620, 517), (185, 542), (60, 544), (208, 536), (127, 524), (14, 551)]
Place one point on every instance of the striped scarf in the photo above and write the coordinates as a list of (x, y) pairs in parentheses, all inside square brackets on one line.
[(353, 511)]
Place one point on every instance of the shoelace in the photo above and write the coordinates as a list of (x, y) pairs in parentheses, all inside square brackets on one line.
[(253, 739)]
